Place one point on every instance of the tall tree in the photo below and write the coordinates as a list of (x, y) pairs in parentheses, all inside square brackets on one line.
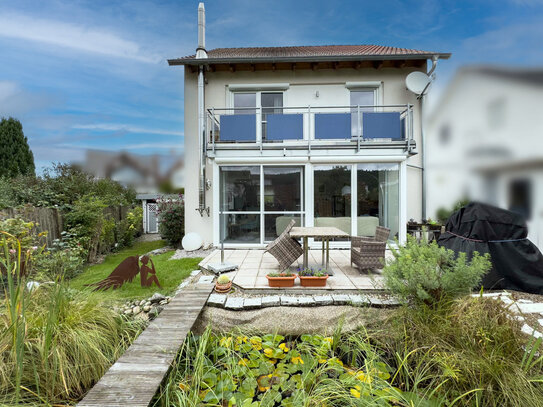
[(15, 154)]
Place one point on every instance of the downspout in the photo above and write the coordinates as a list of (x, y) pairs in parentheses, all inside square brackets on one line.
[(201, 54), (423, 139)]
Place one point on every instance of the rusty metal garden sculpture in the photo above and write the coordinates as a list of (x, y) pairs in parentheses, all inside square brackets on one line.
[(126, 271)]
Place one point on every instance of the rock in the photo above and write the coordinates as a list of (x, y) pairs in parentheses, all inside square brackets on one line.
[(155, 311), (323, 299), (341, 299), (147, 303), (194, 273), (252, 303), (142, 316), (156, 298), (527, 329), (136, 310), (358, 300), (235, 303), (142, 303), (163, 302), (530, 308), (216, 300), (128, 311), (289, 301), (306, 301), (270, 301)]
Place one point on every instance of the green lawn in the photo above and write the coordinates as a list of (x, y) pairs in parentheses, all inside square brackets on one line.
[(170, 273)]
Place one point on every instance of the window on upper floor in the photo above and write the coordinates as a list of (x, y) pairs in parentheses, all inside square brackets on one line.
[(361, 97), (270, 102)]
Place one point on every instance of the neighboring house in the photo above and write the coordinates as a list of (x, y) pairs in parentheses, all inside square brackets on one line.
[(485, 142), (147, 174), (325, 135)]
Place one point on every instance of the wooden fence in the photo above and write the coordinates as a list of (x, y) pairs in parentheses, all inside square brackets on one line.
[(51, 219)]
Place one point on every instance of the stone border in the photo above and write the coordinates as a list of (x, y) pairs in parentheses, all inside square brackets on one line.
[(249, 303)]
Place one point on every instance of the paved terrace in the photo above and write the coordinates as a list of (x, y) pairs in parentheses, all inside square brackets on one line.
[(255, 264)]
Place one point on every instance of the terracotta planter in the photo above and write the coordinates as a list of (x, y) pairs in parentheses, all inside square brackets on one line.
[(311, 281), (287, 281), (223, 288)]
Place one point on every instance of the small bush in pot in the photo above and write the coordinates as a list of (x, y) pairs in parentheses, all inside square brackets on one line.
[(223, 284), (283, 279), (313, 277)]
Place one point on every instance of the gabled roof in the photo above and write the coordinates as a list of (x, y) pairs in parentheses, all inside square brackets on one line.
[(307, 53)]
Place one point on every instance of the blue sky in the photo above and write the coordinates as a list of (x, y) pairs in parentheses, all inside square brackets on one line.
[(93, 74)]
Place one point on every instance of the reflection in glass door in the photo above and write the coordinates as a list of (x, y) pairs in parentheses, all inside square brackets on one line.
[(378, 198), (332, 196)]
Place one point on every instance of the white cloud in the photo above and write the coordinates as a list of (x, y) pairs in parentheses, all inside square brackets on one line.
[(15, 101), (126, 128), (67, 35)]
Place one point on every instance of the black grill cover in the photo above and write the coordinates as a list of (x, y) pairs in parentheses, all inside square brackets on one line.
[(517, 264)]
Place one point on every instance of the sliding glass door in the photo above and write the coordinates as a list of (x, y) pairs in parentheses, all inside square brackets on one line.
[(258, 202), (332, 196), (378, 198)]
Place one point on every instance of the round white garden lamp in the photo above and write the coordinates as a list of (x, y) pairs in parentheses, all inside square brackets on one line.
[(192, 241)]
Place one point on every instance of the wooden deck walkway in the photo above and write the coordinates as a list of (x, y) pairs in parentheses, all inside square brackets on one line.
[(134, 379)]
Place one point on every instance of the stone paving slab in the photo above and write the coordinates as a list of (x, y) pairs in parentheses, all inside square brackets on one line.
[(235, 303), (271, 301)]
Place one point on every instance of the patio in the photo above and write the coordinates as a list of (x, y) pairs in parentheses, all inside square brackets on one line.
[(254, 265)]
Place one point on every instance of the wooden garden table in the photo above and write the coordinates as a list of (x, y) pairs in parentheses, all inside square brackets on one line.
[(317, 232)]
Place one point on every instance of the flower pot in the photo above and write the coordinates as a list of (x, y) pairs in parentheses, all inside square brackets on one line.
[(223, 288), (311, 281), (287, 281)]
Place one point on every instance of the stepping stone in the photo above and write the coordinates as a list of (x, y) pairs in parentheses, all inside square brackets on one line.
[(323, 299), (252, 303), (206, 280), (341, 299), (234, 303), (306, 301), (527, 329), (195, 272), (358, 300), (383, 302), (216, 300), (531, 308), (289, 301), (271, 301)]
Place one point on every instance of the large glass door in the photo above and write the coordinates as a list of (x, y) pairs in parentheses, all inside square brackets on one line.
[(332, 196), (378, 198)]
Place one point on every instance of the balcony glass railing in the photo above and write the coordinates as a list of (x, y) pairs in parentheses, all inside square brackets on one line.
[(310, 124)]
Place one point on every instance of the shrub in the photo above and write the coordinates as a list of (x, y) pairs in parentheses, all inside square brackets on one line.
[(130, 227), (426, 272), (172, 220), (64, 259)]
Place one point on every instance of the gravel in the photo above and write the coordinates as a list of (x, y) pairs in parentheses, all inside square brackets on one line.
[(183, 254)]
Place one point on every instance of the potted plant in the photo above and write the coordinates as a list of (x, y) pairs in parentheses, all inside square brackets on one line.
[(223, 284), (284, 279), (310, 277)]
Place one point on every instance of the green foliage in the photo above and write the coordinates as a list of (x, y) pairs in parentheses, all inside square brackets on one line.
[(55, 342), (312, 272), (282, 274), (426, 272), (16, 158), (468, 347), (130, 227), (172, 220), (223, 279), (64, 259)]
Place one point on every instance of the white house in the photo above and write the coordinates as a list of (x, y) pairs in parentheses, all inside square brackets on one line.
[(327, 135), (484, 142)]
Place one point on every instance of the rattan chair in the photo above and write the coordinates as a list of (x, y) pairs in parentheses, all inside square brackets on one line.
[(368, 252), (285, 249)]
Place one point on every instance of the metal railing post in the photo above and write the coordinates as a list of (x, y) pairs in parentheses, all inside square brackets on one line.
[(213, 129), (359, 124), (309, 129)]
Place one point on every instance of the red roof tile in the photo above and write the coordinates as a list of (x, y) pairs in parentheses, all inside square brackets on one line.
[(308, 52)]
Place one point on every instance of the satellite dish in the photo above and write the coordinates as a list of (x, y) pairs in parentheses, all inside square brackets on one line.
[(417, 82)]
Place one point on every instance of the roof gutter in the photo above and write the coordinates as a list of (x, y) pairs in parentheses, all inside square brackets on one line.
[(331, 58)]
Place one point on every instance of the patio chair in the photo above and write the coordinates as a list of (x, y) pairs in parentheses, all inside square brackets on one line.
[(368, 252), (285, 249)]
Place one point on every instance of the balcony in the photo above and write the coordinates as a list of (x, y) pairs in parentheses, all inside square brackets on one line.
[(355, 127)]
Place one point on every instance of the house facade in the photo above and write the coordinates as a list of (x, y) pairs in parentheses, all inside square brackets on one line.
[(484, 142), (325, 135)]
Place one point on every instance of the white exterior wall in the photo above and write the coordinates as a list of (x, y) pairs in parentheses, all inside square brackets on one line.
[(331, 85)]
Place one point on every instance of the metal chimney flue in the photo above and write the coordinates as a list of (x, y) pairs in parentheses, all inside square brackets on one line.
[(201, 50)]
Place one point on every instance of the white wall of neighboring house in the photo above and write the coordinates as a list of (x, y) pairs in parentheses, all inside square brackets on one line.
[(486, 132), (303, 86)]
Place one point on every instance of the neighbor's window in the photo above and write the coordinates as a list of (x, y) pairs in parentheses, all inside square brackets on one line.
[(520, 197)]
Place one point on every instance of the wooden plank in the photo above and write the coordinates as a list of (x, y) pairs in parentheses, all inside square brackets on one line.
[(136, 376)]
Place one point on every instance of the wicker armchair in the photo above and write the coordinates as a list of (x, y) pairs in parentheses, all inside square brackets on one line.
[(285, 249), (367, 252)]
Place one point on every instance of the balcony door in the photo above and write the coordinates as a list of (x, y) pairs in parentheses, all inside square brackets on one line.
[(251, 102), (361, 97)]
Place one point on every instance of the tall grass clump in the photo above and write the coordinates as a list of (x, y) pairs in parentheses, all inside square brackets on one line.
[(55, 343)]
